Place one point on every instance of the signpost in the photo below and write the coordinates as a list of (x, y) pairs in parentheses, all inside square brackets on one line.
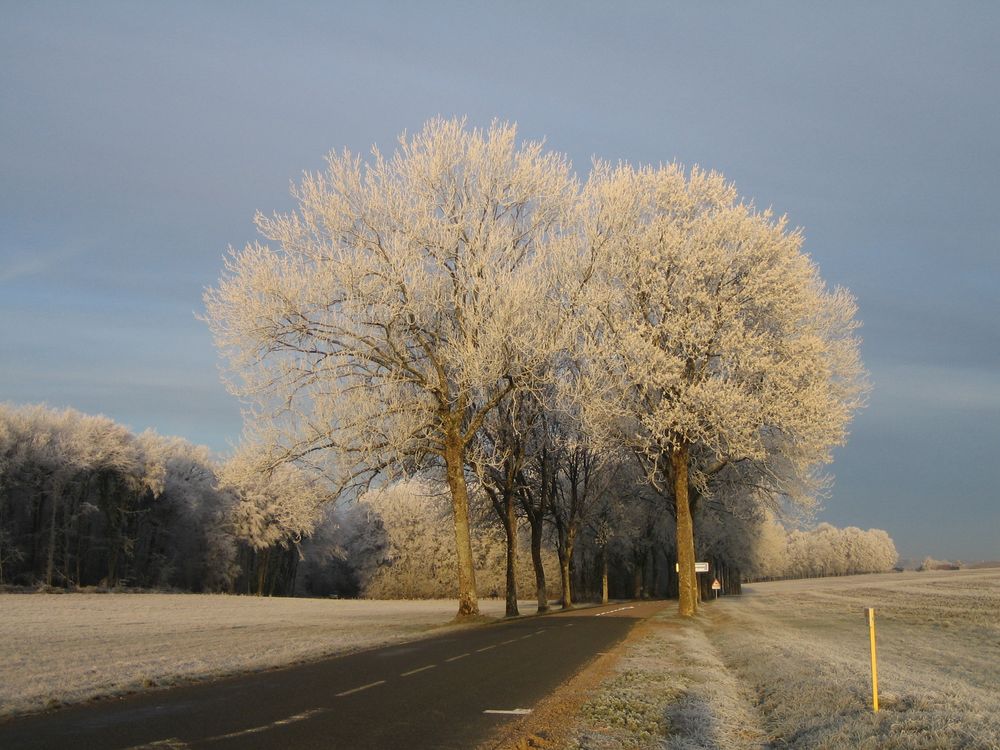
[(716, 586), (870, 613)]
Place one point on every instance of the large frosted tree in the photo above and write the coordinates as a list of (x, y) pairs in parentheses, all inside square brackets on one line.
[(711, 334), (398, 307)]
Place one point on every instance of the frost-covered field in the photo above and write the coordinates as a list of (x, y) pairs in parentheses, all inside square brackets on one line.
[(786, 665), (65, 648)]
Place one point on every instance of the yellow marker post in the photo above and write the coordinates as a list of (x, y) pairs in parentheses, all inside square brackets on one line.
[(870, 611)]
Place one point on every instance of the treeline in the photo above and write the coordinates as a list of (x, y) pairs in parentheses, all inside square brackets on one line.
[(823, 551), (84, 502)]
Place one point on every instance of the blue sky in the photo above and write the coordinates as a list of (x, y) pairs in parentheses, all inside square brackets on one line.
[(138, 139)]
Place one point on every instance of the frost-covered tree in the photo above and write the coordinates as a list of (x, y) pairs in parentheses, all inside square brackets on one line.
[(276, 505), (767, 556), (339, 554), (399, 306), (536, 490), (518, 462), (188, 541), (83, 501), (710, 331), (584, 474), (624, 524), (829, 551), (418, 557), (502, 454), (72, 459), (930, 563)]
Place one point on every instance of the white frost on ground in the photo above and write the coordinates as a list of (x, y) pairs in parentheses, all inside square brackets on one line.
[(57, 649), (802, 647), (670, 683), (787, 666)]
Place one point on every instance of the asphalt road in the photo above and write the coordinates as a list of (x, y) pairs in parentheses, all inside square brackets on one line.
[(440, 692)]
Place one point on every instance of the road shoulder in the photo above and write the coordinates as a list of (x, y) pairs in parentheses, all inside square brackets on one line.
[(556, 720), (664, 685)]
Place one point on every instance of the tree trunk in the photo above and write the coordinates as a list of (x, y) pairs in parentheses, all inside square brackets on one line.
[(82, 533), (604, 575), (295, 571), (50, 561), (688, 580), (510, 527), (468, 601), (565, 559), (541, 592), (654, 585), (262, 562)]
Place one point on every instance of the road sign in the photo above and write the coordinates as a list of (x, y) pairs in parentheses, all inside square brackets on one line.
[(699, 567), (716, 585)]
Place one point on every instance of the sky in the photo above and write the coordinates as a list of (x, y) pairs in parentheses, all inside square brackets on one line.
[(138, 139)]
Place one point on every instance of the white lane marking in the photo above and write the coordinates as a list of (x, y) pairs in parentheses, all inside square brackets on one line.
[(171, 743), (359, 689), (509, 711), (611, 611), (487, 648), (256, 730), (456, 658), (414, 671), (512, 640), (568, 625)]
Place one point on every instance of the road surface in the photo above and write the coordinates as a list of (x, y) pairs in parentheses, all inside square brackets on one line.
[(450, 691)]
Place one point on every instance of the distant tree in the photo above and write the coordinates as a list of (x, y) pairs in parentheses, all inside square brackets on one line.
[(767, 556), (710, 332), (328, 567), (187, 541), (276, 505), (418, 557), (83, 501), (929, 563), (828, 551), (400, 306), (584, 474)]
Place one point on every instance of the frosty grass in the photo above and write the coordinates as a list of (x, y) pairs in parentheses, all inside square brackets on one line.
[(787, 666)]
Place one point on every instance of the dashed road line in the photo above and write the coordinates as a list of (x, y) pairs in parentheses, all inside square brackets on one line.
[(359, 689), (508, 711), (512, 640), (612, 611), (414, 671), (257, 730), (485, 648), (456, 658)]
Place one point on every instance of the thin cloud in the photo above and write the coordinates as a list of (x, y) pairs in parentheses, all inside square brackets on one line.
[(27, 263)]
